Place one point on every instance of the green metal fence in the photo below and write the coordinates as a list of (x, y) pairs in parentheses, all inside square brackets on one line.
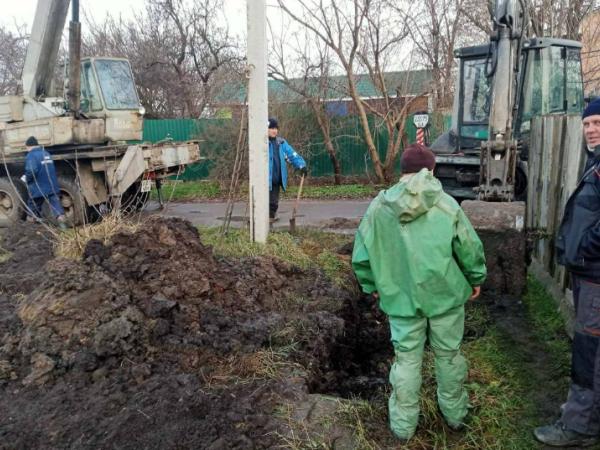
[(347, 140)]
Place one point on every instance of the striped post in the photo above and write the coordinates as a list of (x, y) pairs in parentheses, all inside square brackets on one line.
[(421, 136)]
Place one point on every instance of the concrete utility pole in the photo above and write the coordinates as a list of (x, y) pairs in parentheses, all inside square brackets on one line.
[(257, 120)]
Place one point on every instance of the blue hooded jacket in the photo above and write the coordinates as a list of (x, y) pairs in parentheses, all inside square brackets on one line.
[(286, 153), (40, 173)]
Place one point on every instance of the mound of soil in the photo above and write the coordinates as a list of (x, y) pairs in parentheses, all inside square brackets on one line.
[(152, 342)]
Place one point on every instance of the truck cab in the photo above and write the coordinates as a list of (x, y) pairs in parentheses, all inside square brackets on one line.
[(108, 92)]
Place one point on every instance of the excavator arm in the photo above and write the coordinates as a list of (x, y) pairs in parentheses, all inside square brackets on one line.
[(499, 151)]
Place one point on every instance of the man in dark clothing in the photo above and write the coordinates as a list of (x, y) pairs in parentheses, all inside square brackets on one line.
[(578, 249), (280, 150), (42, 183)]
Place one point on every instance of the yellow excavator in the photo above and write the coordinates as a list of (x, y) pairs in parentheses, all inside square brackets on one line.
[(483, 158)]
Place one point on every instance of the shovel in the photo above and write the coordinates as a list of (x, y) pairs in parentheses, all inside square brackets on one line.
[(293, 218)]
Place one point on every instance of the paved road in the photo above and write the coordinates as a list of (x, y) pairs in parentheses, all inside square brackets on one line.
[(338, 215)]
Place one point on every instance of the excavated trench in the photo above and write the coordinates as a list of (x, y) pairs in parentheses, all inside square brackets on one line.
[(360, 356)]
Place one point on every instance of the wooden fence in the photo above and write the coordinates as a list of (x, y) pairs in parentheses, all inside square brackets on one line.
[(556, 160)]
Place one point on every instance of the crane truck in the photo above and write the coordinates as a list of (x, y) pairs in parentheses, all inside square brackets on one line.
[(483, 158), (88, 130)]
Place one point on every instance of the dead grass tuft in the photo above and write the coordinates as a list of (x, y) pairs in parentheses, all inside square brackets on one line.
[(5, 255), (266, 364), (71, 243)]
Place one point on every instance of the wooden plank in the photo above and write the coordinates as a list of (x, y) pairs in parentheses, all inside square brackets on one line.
[(535, 151), (533, 187), (551, 123), (559, 134), (556, 162)]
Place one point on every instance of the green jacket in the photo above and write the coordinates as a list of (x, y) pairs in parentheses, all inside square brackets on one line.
[(417, 249)]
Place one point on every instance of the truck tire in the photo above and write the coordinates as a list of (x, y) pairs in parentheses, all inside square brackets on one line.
[(72, 201), (13, 194)]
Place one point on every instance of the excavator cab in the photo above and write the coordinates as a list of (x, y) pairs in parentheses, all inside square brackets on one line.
[(552, 82), (549, 81), (108, 92)]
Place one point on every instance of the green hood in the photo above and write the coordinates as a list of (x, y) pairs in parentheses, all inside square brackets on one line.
[(413, 196)]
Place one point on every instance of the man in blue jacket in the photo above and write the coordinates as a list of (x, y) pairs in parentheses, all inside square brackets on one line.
[(42, 183), (578, 249), (279, 152)]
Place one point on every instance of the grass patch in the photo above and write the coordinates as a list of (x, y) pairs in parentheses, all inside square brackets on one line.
[(548, 325), (308, 249), (71, 243), (237, 243), (333, 192), (211, 190)]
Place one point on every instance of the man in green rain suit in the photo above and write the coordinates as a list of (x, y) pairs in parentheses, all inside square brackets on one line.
[(416, 251)]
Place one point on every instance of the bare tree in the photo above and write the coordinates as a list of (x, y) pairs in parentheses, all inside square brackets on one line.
[(312, 60), (558, 18), (590, 53), (434, 26), (181, 53), (362, 34), (477, 14), (13, 46)]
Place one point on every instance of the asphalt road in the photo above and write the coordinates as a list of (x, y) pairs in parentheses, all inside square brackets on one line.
[(338, 215)]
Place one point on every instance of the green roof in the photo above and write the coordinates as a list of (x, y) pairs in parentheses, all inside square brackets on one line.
[(409, 82)]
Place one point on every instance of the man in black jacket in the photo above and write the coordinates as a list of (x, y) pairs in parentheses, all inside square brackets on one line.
[(578, 249)]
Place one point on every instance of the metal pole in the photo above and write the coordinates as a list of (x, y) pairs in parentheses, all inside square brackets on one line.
[(257, 121), (74, 94)]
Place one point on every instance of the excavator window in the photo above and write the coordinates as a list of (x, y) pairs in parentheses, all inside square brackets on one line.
[(552, 83), (476, 98), (574, 82)]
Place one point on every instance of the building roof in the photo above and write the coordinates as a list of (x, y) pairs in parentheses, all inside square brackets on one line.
[(404, 83)]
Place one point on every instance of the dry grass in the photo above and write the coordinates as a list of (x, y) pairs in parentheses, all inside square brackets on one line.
[(5, 255), (266, 364), (71, 243)]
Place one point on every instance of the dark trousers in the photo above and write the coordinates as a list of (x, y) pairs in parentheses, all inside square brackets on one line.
[(581, 412), (274, 200), (35, 206)]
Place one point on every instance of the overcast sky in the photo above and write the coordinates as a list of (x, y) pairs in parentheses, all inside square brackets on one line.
[(22, 11)]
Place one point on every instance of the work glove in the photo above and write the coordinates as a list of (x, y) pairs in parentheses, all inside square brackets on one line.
[(303, 171), (23, 179)]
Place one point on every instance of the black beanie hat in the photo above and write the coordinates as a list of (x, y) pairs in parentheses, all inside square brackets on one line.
[(592, 109), (31, 142), (416, 157), (273, 123)]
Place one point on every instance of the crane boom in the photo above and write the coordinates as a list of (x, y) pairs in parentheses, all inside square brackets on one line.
[(44, 43)]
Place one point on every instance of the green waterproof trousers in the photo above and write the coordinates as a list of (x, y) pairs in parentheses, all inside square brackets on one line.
[(445, 333)]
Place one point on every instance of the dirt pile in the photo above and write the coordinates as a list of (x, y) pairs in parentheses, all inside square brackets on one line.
[(150, 341)]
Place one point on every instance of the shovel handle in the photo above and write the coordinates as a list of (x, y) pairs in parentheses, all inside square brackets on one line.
[(298, 197)]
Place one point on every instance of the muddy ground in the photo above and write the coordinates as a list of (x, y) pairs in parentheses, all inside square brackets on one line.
[(150, 341)]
